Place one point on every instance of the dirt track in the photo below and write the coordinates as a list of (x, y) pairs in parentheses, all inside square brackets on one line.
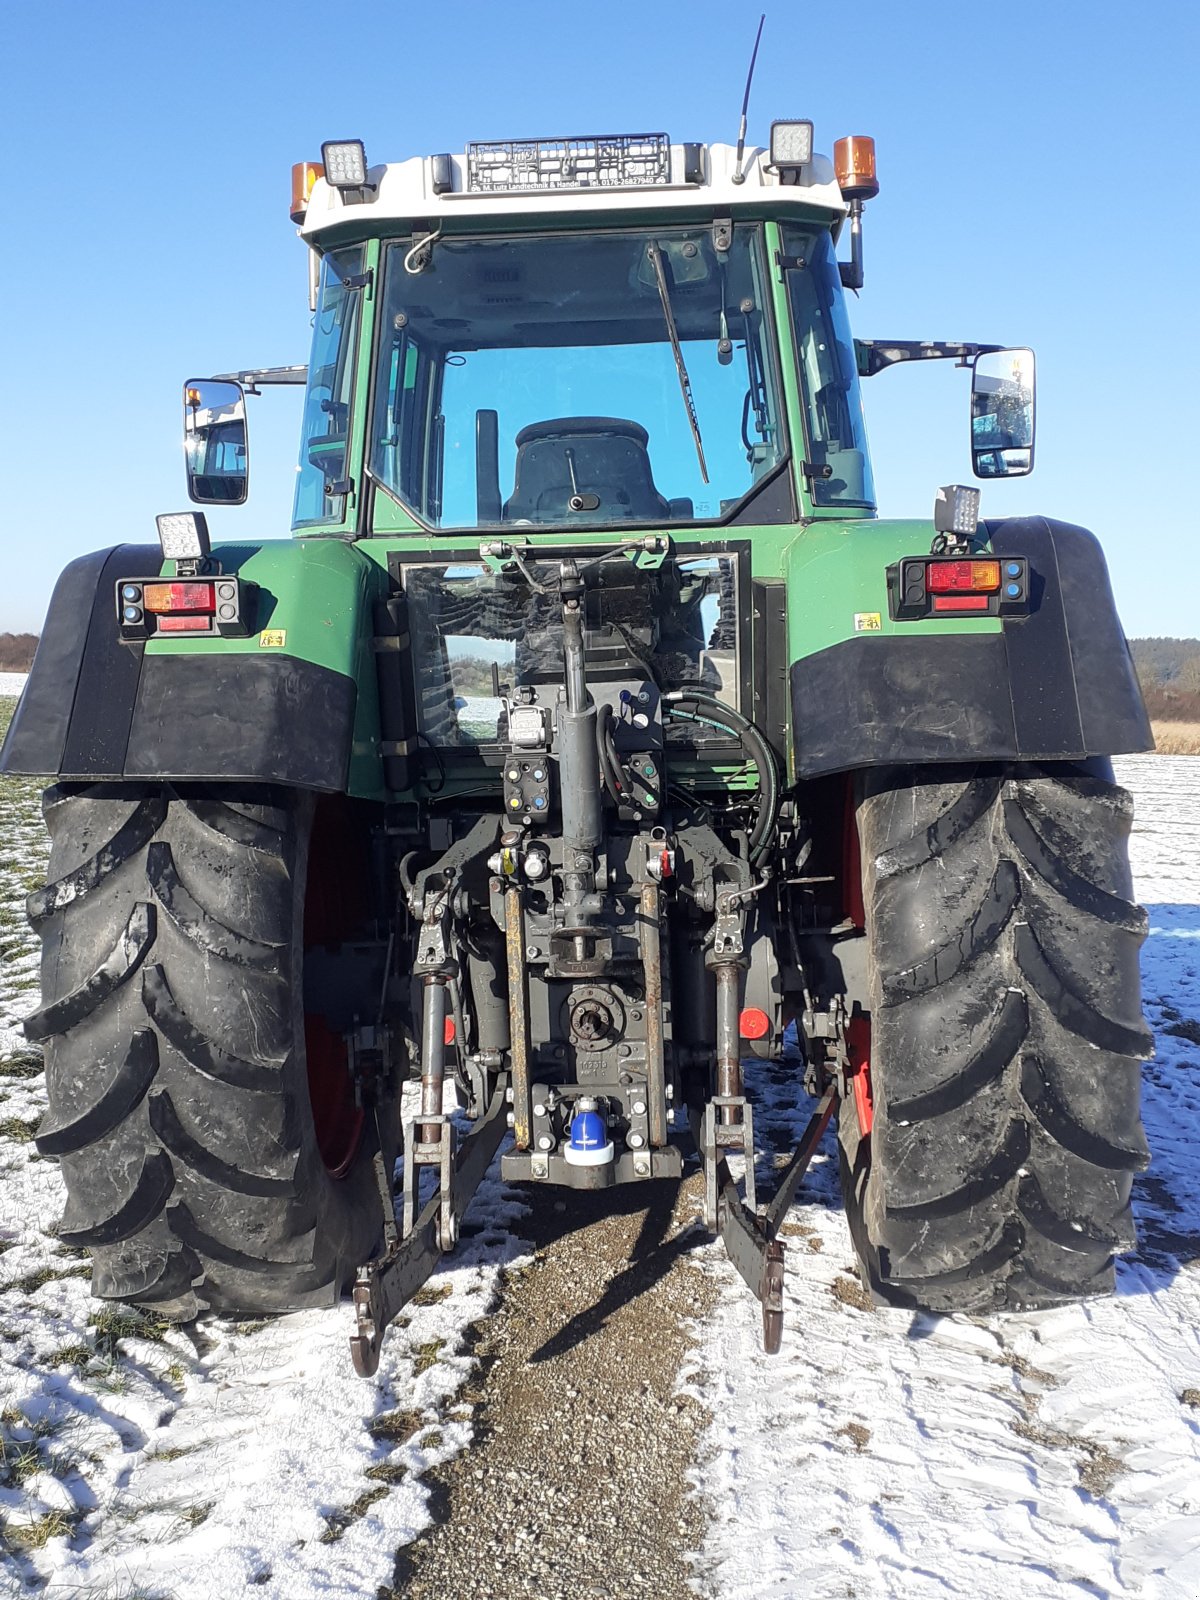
[(577, 1484)]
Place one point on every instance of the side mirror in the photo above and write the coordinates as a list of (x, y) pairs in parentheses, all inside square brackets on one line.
[(216, 451), (1002, 414)]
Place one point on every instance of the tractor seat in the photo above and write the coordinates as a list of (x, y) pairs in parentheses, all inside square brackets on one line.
[(610, 460)]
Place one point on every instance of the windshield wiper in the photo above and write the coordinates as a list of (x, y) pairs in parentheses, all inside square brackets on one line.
[(685, 383)]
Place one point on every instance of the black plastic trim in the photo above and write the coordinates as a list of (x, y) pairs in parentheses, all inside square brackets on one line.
[(1055, 685), (75, 711), (242, 717)]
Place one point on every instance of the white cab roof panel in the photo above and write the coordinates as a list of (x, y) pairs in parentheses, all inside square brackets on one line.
[(404, 192)]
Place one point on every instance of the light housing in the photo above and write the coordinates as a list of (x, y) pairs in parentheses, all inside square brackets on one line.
[(854, 167), (956, 510), (345, 163), (791, 144), (183, 535), (933, 586), (304, 175)]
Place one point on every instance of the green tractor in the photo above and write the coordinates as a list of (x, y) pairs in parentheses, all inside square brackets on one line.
[(592, 731)]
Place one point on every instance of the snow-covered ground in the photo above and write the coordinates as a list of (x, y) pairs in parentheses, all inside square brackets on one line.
[(11, 683), (884, 1454), (879, 1455)]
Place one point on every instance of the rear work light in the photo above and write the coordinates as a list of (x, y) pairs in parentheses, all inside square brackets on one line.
[(923, 586)]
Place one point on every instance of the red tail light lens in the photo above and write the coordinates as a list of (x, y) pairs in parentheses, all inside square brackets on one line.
[(963, 577), (165, 598), (960, 602)]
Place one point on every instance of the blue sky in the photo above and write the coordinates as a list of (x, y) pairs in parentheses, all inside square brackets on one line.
[(1038, 172)]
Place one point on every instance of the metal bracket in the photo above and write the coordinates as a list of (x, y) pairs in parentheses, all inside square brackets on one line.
[(722, 233), (748, 1231), (386, 1285)]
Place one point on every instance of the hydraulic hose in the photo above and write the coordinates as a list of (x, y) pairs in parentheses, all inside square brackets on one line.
[(752, 741), (609, 768)]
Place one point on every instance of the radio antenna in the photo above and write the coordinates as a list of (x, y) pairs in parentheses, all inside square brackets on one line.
[(738, 175)]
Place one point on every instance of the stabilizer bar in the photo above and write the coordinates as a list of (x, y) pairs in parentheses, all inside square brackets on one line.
[(386, 1285), (747, 1230)]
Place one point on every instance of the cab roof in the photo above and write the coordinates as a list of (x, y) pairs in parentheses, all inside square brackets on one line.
[(443, 191)]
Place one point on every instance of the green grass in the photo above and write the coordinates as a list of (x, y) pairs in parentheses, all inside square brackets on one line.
[(70, 1355), (337, 1523), (114, 1323), (26, 1064), (19, 1463), (36, 1535), (395, 1427), (21, 1129), (33, 1281), (425, 1355)]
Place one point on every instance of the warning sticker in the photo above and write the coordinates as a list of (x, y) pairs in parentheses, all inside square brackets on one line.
[(272, 638), (867, 622)]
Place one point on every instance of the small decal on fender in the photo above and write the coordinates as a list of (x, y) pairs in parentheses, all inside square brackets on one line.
[(867, 622), (276, 638)]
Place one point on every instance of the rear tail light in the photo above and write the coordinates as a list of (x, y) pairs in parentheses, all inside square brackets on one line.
[(169, 597), (924, 586), (957, 577), (222, 605)]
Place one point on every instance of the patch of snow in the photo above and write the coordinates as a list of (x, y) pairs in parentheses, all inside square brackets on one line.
[(888, 1454), (12, 683), (217, 1460)]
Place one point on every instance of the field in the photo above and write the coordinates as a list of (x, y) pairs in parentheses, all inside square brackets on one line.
[(881, 1455), (1177, 738)]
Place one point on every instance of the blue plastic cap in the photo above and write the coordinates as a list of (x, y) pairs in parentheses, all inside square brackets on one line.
[(588, 1131)]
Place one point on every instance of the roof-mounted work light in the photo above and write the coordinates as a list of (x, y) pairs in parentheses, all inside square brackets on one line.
[(183, 535), (791, 145), (345, 163)]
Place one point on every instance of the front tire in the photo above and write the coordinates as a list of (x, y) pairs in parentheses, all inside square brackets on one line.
[(174, 1030), (1006, 1035)]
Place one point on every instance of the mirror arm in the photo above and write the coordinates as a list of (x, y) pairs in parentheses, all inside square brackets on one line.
[(873, 355), (251, 377)]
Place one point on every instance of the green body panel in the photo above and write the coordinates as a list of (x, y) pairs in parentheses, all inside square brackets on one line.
[(319, 593), (836, 571)]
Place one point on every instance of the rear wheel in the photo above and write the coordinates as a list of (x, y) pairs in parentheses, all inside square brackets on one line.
[(1005, 1038), (206, 1128)]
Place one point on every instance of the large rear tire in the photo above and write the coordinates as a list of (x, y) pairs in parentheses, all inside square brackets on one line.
[(201, 1170), (1006, 1035)]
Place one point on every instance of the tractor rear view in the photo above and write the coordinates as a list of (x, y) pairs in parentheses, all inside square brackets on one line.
[(592, 731)]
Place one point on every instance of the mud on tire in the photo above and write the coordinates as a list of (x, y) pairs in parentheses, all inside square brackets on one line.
[(1006, 1036), (172, 1021)]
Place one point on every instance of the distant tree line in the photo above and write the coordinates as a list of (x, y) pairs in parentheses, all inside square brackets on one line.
[(16, 651), (1169, 672)]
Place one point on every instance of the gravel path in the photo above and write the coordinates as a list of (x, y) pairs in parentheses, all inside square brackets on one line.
[(578, 1481)]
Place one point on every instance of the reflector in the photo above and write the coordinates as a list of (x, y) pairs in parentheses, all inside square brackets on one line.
[(196, 623), (753, 1023)]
